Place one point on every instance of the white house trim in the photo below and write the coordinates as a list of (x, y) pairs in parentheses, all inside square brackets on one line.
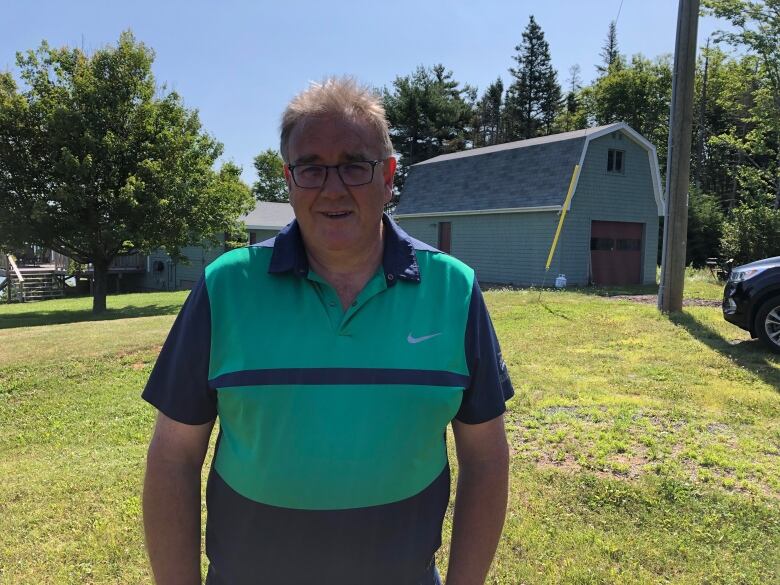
[(652, 158), (481, 211)]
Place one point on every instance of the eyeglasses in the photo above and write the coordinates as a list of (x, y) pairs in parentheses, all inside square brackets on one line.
[(352, 174)]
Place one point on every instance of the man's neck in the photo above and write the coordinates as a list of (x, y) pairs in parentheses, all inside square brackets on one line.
[(348, 271)]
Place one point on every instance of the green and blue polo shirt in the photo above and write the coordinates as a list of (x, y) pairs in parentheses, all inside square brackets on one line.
[(331, 463)]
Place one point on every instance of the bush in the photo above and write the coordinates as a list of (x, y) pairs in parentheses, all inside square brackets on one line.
[(751, 233), (705, 227)]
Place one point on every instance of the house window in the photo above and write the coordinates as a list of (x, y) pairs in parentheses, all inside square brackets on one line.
[(445, 236), (615, 161), (252, 238)]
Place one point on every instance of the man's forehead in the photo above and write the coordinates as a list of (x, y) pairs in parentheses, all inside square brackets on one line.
[(318, 138)]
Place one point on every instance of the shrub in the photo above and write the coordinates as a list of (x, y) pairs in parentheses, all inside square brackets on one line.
[(705, 227), (751, 233)]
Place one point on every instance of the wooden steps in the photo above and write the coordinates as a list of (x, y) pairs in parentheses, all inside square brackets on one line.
[(37, 286)]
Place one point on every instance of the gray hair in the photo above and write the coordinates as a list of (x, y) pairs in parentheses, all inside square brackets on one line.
[(340, 97)]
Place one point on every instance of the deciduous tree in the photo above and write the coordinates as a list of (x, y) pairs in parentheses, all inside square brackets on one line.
[(270, 184), (96, 163)]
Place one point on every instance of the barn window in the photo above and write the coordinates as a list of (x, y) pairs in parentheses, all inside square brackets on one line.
[(614, 161), (602, 244)]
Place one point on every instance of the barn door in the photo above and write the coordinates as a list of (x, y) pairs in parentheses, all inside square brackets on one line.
[(616, 253), (445, 236)]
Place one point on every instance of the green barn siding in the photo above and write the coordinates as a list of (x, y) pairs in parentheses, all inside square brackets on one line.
[(506, 248), (513, 247), (605, 196)]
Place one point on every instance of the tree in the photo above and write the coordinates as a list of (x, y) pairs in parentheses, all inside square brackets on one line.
[(756, 26), (572, 116), (488, 111), (611, 58), (95, 165), (534, 97), (705, 226), (428, 115), (270, 184), (751, 232), (639, 95)]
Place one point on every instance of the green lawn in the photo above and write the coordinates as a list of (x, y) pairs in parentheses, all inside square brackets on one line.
[(645, 449)]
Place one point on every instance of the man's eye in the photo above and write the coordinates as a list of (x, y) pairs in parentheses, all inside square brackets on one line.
[(310, 171)]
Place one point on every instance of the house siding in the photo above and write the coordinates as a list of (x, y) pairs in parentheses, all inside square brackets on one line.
[(609, 196), (507, 248)]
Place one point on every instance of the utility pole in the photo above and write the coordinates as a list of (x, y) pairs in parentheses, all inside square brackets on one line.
[(678, 165)]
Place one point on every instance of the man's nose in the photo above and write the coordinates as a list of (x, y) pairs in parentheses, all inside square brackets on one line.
[(333, 183)]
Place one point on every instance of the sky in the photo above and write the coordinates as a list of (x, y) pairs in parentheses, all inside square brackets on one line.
[(239, 62)]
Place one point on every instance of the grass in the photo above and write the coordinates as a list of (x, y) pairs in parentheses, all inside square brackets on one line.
[(645, 449)]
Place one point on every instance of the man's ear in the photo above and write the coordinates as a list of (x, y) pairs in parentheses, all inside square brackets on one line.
[(288, 176), (388, 172)]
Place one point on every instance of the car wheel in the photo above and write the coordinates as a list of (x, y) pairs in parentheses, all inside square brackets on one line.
[(767, 325)]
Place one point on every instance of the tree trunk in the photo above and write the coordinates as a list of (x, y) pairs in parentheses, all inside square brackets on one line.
[(100, 279)]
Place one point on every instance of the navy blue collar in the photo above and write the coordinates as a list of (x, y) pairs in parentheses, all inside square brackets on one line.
[(399, 260)]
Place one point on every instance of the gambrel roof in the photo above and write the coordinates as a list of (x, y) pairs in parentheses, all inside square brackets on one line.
[(527, 175)]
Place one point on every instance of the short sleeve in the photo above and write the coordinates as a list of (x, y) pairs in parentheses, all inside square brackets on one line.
[(178, 386), (489, 384)]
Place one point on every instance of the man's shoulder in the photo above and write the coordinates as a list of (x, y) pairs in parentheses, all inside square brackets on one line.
[(440, 264), (241, 261)]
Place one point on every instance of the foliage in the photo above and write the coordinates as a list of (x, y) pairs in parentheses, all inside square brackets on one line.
[(610, 53), (751, 233), (95, 164), (705, 224), (534, 97), (756, 27), (487, 123), (270, 184), (428, 114), (638, 94)]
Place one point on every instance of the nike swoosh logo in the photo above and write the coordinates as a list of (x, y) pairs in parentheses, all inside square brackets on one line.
[(413, 340)]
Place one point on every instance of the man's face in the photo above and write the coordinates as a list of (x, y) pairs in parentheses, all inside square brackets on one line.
[(336, 217)]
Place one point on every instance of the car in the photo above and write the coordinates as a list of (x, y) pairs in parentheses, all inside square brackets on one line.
[(751, 300)]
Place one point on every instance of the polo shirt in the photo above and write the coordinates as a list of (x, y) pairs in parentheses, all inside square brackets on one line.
[(331, 459)]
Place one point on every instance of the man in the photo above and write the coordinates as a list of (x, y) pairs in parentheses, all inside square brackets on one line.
[(334, 355)]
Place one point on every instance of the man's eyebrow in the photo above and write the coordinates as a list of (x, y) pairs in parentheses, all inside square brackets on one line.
[(315, 159)]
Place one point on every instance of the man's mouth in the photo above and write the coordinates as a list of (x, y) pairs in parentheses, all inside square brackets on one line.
[(336, 214)]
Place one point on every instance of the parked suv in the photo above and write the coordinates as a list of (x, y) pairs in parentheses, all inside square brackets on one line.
[(751, 300)]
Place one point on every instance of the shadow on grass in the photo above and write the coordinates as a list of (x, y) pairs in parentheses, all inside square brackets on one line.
[(59, 317), (751, 354), (554, 313)]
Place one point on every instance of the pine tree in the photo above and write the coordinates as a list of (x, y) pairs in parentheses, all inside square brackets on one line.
[(534, 97), (610, 54), (488, 115)]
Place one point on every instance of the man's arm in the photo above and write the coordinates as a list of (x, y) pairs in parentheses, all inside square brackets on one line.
[(171, 500), (480, 501)]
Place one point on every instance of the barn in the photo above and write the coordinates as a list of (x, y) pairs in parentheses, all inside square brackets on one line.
[(497, 208)]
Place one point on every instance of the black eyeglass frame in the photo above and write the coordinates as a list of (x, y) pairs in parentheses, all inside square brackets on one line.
[(373, 164)]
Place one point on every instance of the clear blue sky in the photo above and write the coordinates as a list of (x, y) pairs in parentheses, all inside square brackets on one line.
[(239, 62)]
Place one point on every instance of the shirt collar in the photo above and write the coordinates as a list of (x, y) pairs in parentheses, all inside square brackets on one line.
[(399, 260)]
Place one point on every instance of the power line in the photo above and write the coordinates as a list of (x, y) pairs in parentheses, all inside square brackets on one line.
[(618, 14)]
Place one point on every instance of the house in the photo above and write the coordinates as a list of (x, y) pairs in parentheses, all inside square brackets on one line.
[(497, 208), (162, 273)]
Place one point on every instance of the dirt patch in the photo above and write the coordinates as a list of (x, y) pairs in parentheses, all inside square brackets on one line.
[(653, 299)]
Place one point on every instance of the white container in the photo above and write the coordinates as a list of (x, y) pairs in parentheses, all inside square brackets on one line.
[(560, 282)]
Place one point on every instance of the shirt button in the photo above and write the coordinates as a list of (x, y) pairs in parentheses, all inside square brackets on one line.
[(390, 277), (332, 304), (354, 303)]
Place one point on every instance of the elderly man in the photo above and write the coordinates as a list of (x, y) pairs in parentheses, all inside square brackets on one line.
[(334, 356)]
